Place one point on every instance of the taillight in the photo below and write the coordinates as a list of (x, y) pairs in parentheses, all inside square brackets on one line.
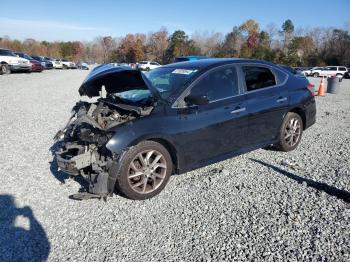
[(310, 87)]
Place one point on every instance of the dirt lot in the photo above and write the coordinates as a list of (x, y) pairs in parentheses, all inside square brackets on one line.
[(264, 205)]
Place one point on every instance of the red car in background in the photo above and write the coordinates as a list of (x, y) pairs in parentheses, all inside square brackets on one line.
[(36, 65)]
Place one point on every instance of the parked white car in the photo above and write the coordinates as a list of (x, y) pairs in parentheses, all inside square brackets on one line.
[(57, 64), (329, 71), (9, 62), (315, 71), (147, 65), (68, 64), (306, 72)]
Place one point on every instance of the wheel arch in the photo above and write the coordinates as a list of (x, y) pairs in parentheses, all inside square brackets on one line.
[(123, 141), (171, 149), (301, 113)]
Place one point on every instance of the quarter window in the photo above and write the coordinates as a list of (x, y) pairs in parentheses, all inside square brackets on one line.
[(219, 84), (258, 77)]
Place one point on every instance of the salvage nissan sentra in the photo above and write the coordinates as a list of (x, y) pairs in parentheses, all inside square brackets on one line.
[(176, 118)]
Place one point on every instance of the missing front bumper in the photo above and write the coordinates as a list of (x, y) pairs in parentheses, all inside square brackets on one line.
[(75, 159)]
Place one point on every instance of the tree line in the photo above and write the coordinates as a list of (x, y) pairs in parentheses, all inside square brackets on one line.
[(282, 45)]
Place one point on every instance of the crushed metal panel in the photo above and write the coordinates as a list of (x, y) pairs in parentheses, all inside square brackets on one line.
[(84, 160), (91, 109)]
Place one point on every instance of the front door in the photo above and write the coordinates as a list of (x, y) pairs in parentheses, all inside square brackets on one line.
[(220, 126)]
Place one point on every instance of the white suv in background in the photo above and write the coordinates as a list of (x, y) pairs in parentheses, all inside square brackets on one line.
[(10, 62), (338, 71), (147, 65)]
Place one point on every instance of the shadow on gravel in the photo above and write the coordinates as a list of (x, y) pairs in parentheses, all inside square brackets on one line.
[(19, 243), (61, 176), (333, 191)]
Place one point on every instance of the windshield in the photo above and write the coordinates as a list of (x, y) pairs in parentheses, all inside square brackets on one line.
[(38, 58), (164, 79), (168, 79), (28, 57)]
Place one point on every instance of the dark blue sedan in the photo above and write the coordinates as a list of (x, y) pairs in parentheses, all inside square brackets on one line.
[(177, 118)]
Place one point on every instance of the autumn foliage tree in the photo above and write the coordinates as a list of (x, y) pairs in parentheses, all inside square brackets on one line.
[(157, 45), (180, 45), (287, 45)]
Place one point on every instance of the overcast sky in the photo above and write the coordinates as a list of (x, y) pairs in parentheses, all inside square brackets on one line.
[(86, 19)]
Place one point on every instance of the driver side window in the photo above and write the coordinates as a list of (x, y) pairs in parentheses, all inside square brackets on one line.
[(218, 84)]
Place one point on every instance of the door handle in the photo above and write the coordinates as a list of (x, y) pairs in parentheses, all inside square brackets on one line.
[(238, 110), (281, 99)]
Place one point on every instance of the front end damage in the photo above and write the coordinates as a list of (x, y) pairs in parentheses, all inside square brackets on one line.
[(82, 141)]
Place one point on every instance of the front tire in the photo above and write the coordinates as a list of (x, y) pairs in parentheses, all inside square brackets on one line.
[(290, 132), (5, 69), (145, 170), (316, 74)]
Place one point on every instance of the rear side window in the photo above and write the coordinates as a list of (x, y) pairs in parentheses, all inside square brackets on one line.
[(342, 69), (218, 84), (258, 77)]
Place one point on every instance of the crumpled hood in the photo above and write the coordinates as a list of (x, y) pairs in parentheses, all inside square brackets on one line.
[(115, 80)]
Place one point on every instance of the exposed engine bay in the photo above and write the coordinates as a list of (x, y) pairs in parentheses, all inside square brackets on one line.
[(82, 141)]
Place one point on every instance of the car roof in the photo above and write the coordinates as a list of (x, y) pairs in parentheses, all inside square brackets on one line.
[(192, 56), (212, 62)]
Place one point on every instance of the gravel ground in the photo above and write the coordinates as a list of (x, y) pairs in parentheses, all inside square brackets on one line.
[(264, 205)]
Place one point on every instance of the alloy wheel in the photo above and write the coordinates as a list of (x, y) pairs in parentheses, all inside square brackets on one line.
[(3, 69), (292, 132), (147, 171)]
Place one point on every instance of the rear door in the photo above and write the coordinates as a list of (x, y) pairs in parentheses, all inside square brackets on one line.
[(267, 101), (329, 71)]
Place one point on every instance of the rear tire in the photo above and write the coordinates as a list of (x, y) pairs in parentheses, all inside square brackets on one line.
[(316, 74), (290, 132), (64, 67), (145, 170), (5, 69)]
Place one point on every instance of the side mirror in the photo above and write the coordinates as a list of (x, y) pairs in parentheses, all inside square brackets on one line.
[(197, 100)]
